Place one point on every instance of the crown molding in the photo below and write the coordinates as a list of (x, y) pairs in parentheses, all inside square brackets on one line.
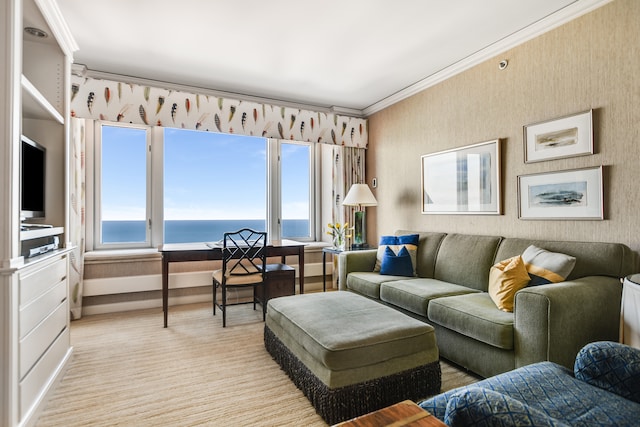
[(53, 16), (548, 23)]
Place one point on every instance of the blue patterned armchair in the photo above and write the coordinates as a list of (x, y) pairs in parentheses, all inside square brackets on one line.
[(602, 390)]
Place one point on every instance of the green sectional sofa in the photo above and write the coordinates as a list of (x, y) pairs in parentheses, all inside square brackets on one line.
[(549, 322)]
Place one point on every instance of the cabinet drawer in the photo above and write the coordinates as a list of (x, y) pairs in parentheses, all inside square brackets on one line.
[(34, 283), (42, 373), (34, 312), (40, 338)]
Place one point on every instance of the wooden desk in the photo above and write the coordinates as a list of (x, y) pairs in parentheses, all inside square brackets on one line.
[(183, 252), (405, 413)]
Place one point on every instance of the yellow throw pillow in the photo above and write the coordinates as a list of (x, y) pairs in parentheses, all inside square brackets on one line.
[(505, 279)]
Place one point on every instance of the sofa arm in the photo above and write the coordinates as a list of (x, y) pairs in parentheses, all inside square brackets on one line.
[(553, 322), (478, 406), (351, 261), (610, 366)]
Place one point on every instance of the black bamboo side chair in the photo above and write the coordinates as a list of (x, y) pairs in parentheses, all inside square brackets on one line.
[(243, 265)]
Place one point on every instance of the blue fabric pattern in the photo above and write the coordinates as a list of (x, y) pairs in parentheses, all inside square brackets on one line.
[(396, 265), (395, 243), (611, 366), (482, 407), (552, 390)]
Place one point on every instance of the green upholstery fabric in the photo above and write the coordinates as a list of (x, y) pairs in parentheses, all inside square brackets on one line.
[(354, 261), (466, 259), (553, 322), (368, 283), (549, 322), (414, 295), (428, 244), (476, 316), (592, 258), (344, 338), (343, 330)]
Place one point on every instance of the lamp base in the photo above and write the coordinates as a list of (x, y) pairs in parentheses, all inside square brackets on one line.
[(360, 230)]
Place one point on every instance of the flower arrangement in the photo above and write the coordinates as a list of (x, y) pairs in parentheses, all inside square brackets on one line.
[(339, 233)]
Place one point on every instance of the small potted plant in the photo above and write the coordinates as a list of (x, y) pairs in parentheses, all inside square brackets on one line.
[(340, 234)]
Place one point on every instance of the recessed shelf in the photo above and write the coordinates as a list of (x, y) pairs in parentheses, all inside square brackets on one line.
[(39, 232), (35, 105)]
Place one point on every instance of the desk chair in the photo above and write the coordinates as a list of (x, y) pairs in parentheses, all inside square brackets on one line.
[(243, 266)]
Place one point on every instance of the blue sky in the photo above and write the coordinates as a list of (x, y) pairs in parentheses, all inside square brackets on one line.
[(199, 183)]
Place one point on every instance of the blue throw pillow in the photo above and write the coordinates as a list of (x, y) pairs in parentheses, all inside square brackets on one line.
[(396, 265), (409, 241)]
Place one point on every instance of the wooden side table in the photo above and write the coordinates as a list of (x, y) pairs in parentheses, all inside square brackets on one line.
[(281, 280), (405, 413)]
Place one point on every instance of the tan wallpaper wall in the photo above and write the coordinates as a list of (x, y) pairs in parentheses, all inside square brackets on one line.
[(591, 62)]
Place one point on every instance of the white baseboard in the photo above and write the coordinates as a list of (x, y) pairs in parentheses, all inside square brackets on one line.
[(153, 282)]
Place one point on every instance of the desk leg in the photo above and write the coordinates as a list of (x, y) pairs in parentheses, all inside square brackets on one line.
[(324, 271), (165, 288), (301, 267)]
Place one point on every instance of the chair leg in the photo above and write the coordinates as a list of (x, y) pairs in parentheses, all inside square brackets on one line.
[(224, 306), (215, 300), (254, 297)]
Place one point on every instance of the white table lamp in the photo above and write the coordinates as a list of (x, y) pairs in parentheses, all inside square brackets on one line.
[(361, 196)]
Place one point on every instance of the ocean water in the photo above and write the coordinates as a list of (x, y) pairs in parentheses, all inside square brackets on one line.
[(195, 230)]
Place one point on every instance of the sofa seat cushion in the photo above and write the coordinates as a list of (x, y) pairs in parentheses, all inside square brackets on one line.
[(367, 283), (552, 389), (414, 294), (476, 316)]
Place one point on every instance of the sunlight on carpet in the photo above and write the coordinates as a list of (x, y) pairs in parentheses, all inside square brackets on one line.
[(129, 370)]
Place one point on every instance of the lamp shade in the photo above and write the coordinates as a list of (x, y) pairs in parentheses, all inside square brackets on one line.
[(360, 195)]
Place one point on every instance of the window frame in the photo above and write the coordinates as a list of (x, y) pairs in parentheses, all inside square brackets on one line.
[(97, 188), (155, 189)]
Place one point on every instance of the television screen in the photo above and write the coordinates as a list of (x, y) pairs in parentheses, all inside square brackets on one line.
[(32, 189)]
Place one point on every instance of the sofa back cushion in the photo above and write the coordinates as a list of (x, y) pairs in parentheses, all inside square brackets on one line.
[(428, 245), (592, 258), (465, 259)]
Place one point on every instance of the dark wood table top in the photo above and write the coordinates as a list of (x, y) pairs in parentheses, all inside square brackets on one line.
[(405, 413)]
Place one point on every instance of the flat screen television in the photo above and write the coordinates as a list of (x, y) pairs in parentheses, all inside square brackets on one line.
[(33, 161)]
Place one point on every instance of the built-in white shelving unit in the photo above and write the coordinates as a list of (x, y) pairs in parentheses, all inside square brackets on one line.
[(34, 294)]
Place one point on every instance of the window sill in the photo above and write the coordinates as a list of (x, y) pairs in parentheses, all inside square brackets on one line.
[(152, 254), (122, 255)]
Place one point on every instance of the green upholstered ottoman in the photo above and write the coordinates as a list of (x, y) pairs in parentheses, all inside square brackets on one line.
[(350, 355)]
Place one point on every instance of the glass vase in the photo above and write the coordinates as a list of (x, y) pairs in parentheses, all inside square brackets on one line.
[(339, 242)]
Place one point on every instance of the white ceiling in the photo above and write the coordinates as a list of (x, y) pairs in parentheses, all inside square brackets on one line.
[(353, 55)]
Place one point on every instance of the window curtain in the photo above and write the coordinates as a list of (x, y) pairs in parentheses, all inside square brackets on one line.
[(348, 169), (76, 215)]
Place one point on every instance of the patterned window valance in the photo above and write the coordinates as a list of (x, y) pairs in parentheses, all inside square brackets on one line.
[(131, 103)]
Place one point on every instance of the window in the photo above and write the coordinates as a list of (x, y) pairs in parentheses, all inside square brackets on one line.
[(212, 183), (167, 185), (295, 167), (122, 169)]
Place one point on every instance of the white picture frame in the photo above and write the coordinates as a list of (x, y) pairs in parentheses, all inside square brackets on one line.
[(559, 138), (463, 180), (575, 194)]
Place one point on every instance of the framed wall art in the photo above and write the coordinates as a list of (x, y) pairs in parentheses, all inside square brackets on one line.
[(463, 180), (554, 139), (571, 194)]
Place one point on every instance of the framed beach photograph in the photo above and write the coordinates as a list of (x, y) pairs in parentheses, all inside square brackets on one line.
[(463, 180), (571, 194), (554, 139)]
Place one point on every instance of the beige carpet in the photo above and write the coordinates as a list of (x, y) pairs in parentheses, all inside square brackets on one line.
[(127, 370)]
